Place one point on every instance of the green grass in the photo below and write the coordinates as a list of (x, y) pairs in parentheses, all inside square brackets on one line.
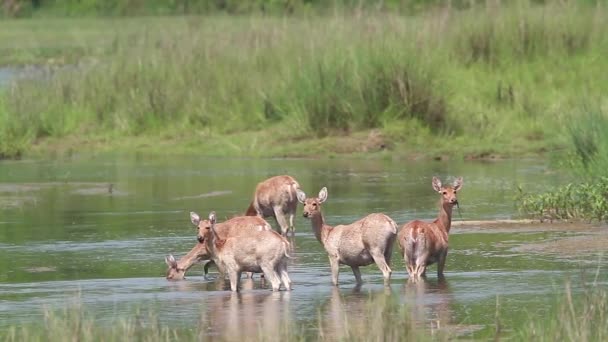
[(587, 161), (577, 317), (484, 81)]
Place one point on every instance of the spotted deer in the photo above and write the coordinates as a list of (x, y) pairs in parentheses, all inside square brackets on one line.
[(276, 197), (245, 244), (178, 268), (361, 243), (425, 243)]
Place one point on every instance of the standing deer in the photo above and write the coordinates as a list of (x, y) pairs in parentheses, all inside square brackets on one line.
[(426, 243), (276, 197), (178, 268), (360, 243), (245, 244)]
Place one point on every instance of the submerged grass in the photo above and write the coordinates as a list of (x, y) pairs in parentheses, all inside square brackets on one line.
[(575, 317), (489, 80), (76, 323)]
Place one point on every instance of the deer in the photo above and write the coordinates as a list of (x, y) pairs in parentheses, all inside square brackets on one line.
[(276, 197), (425, 243), (178, 268), (245, 244), (366, 241)]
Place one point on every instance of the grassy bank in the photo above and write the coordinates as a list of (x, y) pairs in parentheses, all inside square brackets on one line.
[(485, 81)]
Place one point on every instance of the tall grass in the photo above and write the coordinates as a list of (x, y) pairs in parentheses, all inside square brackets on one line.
[(488, 79)]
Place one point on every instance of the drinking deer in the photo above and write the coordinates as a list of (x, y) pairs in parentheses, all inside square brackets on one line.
[(276, 197), (178, 268), (245, 244), (361, 243), (426, 243)]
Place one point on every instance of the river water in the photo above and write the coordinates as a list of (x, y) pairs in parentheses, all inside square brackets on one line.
[(95, 230)]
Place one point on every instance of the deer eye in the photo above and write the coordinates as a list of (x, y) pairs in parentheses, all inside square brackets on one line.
[(454, 192), (445, 192)]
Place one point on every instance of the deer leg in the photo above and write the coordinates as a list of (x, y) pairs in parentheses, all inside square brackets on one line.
[(357, 274), (378, 257), (420, 269), (441, 263), (206, 268), (234, 280), (280, 217), (335, 270), (271, 275), (291, 225), (284, 276)]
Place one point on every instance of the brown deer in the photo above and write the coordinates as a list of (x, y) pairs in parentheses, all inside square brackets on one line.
[(178, 268), (358, 244), (245, 244), (276, 197), (426, 243)]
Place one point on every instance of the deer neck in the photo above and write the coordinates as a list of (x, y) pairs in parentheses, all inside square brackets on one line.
[(444, 219), (189, 259), (319, 227)]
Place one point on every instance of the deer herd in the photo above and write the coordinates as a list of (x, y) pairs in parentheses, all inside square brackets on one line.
[(249, 244)]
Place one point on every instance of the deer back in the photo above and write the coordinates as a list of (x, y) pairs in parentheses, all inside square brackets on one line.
[(276, 191)]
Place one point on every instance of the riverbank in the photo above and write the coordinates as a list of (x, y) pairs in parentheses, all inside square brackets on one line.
[(481, 83)]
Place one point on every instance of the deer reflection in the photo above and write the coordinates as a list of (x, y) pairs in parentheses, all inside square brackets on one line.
[(353, 314), (246, 315), (429, 302)]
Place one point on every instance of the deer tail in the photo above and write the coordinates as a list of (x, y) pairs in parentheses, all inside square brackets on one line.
[(411, 244), (293, 187), (251, 210), (287, 246)]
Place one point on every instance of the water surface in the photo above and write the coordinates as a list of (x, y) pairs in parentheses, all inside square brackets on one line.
[(95, 229)]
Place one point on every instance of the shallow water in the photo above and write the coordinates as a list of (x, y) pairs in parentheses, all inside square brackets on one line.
[(96, 229)]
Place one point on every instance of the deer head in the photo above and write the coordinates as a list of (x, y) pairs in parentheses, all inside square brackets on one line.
[(312, 205), (174, 272), (205, 227), (448, 193)]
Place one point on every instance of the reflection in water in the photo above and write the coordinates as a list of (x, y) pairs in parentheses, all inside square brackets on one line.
[(356, 314), (244, 315), (429, 302)]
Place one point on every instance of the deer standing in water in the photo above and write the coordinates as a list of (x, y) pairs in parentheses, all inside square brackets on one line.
[(276, 197), (426, 243), (245, 244), (361, 243), (178, 268)]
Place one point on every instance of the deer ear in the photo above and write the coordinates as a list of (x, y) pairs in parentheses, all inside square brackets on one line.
[(301, 196), (323, 195), (436, 184), (212, 221), (458, 184), (170, 261), (195, 218)]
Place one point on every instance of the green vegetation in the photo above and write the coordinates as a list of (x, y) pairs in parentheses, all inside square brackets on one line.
[(586, 199), (485, 81), (574, 318), (46, 8)]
